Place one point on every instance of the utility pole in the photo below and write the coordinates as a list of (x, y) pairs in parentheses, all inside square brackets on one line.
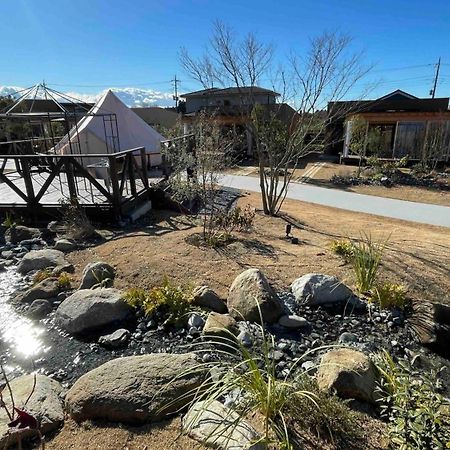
[(438, 66), (175, 82)]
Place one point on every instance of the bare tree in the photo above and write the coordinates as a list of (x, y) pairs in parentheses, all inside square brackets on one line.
[(436, 143), (327, 73)]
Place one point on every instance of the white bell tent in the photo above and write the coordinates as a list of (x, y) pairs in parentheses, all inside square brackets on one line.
[(109, 127)]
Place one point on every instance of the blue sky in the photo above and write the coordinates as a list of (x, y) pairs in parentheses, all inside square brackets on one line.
[(85, 46)]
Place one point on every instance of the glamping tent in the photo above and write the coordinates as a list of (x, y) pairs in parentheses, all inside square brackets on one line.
[(110, 126)]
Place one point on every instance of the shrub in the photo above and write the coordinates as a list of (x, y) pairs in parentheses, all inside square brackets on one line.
[(76, 224), (418, 415), (367, 256), (42, 275), (171, 301), (390, 295), (64, 281), (342, 248), (235, 219)]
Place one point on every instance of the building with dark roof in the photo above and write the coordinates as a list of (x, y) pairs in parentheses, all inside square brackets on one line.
[(403, 122)]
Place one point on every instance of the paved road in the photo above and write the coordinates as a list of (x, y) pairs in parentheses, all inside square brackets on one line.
[(388, 207)]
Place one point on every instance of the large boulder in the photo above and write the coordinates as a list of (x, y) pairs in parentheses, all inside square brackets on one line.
[(136, 389), (45, 404), (39, 309), (317, 289), (65, 245), (97, 273), (205, 297), (349, 373), (41, 259), (89, 310), (249, 290), (18, 233), (216, 426), (45, 289)]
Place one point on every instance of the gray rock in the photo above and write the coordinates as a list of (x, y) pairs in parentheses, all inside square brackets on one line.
[(41, 259), (217, 426), (48, 288), (39, 309), (88, 310), (45, 404), (7, 254), (249, 290), (117, 339), (317, 289), (136, 389), (293, 321), (349, 373), (18, 233), (245, 338), (205, 297), (65, 245), (97, 273), (220, 325), (347, 338), (196, 320)]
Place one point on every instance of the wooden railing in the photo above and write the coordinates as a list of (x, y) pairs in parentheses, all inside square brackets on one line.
[(121, 177)]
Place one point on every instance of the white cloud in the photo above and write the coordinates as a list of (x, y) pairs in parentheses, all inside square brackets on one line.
[(130, 96)]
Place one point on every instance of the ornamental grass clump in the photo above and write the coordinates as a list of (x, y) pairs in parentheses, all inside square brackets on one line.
[(285, 405), (343, 247), (367, 255), (390, 295)]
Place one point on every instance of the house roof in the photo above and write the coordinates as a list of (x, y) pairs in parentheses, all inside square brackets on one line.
[(216, 92), (397, 93)]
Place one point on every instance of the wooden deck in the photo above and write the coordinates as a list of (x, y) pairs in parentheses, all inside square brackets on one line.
[(28, 185)]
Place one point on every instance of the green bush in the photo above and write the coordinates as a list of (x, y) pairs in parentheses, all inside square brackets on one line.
[(42, 275), (342, 248), (418, 415), (173, 302), (64, 281), (390, 295), (367, 255), (235, 219)]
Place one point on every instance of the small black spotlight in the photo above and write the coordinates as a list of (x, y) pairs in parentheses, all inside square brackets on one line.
[(288, 230)]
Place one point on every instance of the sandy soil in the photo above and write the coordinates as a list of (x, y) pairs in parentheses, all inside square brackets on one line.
[(417, 255), (89, 436)]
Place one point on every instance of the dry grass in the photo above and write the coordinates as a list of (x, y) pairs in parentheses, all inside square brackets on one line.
[(417, 255)]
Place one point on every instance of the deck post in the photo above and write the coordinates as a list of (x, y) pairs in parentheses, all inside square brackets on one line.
[(31, 199), (114, 186), (144, 167), (131, 174), (71, 180)]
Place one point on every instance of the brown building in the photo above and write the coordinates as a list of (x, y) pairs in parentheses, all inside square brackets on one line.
[(404, 125)]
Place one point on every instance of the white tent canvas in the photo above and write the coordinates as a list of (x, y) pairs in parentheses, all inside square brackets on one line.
[(89, 136)]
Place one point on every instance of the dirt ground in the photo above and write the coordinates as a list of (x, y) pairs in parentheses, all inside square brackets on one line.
[(320, 172), (417, 255), (89, 436)]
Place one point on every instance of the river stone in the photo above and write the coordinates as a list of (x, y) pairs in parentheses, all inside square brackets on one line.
[(216, 426), (293, 321), (220, 325), (41, 259), (205, 297), (88, 310), (117, 339), (96, 273), (317, 289), (45, 289), (136, 389), (46, 403), (65, 245), (349, 373), (249, 289), (18, 233), (39, 309)]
